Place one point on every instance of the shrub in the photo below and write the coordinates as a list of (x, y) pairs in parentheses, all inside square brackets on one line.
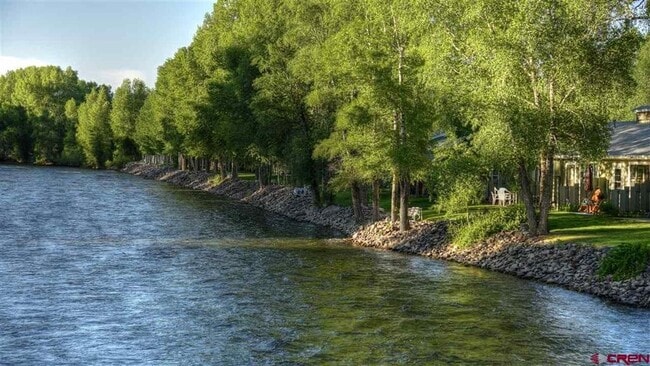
[(625, 261), (480, 227), (609, 209)]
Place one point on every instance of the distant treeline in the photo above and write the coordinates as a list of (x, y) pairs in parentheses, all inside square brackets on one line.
[(356, 94), (50, 116)]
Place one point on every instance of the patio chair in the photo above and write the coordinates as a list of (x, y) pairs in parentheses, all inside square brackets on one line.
[(415, 213), (504, 196), (494, 195)]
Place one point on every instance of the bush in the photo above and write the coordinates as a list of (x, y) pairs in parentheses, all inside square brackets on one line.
[(480, 227), (609, 209), (625, 261)]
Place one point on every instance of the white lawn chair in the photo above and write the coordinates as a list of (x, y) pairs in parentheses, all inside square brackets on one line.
[(504, 196), (415, 213)]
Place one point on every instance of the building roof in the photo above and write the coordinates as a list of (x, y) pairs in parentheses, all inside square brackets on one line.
[(642, 108), (629, 140)]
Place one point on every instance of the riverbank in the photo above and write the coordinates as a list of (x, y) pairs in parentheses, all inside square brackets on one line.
[(572, 266), (279, 199)]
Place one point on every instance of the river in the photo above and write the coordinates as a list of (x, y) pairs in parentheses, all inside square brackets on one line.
[(99, 267)]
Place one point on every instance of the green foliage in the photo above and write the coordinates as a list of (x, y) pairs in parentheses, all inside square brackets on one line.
[(545, 75), (483, 225), (42, 132), (625, 261), (126, 104), (15, 133), (457, 175), (94, 131), (149, 132), (609, 209)]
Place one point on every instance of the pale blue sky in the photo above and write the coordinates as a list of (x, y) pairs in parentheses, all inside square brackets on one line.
[(105, 41)]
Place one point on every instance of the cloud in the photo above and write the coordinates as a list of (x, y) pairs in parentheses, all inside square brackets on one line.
[(114, 77), (8, 63)]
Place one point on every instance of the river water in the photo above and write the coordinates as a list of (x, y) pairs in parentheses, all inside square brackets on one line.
[(101, 268)]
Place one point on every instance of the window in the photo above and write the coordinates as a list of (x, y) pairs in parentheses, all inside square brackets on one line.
[(617, 179), (639, 174)]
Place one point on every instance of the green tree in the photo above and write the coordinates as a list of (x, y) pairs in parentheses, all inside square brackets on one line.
[(149, 132), (42, 92), (94, 130), (127, 102), (544, 75), (15, 134), (641, 75), (378, 70), (72, 154)]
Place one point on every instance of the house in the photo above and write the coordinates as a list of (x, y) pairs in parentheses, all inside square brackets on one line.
[(624, 174)]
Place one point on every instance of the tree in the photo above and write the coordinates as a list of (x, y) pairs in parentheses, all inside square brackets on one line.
[(42, 93), (544, 73), (382, 89), (127, 102), (72, 153), (149, 132), (15, 134), (94, 131), (641, 75)]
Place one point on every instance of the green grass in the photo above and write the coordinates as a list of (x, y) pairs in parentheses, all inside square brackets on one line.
[(429, 212), (247, 176), (598, 230), (625, 261)]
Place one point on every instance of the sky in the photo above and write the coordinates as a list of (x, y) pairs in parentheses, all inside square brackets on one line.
[(105, 41)]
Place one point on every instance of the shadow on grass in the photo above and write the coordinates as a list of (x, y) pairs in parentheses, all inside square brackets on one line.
[(597, 230)]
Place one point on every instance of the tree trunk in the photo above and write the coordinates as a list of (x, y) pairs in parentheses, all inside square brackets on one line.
[(375, 199), (235, 170), (404, 204), (356, 202), (527, 197), (262, 175), (546, 191), (222, 168), (315, 188), (394, 198), (328, 195), (182, 162)]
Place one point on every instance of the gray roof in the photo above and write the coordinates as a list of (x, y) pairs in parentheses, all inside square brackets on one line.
[(629, 139), (642, 108)]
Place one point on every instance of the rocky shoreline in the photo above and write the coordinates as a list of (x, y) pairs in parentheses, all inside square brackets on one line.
[(279, 199), (572, 266)]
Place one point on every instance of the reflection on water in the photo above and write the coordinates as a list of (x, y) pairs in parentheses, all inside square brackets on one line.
[(104, 268)]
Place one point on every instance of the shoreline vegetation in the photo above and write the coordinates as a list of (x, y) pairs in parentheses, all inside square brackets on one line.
[(572, 266)]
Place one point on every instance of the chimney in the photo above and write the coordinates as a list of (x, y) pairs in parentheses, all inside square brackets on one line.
[(642, 113)]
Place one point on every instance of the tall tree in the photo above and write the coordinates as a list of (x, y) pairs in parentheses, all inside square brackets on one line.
[(127, 102), (94, 131), (380, 72), (72, 153), (544, 73), (149, 132), (15, 133)]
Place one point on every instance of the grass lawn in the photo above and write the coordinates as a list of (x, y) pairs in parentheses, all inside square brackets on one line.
[(429, 212), (598, 230)]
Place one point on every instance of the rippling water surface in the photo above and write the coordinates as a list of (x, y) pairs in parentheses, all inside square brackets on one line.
[(105, 268)]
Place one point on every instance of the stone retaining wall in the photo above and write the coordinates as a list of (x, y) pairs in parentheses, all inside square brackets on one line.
[(571, 266)]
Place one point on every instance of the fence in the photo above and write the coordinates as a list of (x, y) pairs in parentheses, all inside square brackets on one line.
[(631, 199), (627, 199)]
